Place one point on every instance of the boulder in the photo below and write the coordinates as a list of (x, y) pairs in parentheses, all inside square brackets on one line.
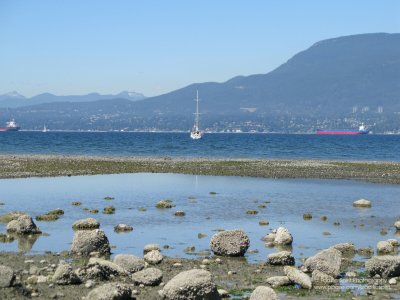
[(148, 277), (108, 266), (277, 281), (282, 258), (7, 277), (123, 228), (191, 285), (164, 204), (87, 241), (327, 261), (394, 242), (65, 275), (384, 266), (385, 247), (362, 203), (263, 293), (153, 257), (319, 278), (111, 291), (298, 277), (397, 225), (346, 249), (283, 237), (86, 224), (129, 263), (150, 247), (23, 225), (230, 243)]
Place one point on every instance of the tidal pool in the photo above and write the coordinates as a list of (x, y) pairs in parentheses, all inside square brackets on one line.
[(285, 202)]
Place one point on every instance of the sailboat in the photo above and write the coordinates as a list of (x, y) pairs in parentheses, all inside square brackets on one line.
[(44, 128), (196, 134)]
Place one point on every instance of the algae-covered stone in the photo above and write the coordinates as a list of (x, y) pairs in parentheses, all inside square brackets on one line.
[(282, 258), (327, 261), (384, 266), (276, 281), (123, 228), (130, 263), (65, 275), (13, 215), (86, 224), (283, 237), (109, 210), (148, 277), (298, 277), (164, 204), (153, 257)]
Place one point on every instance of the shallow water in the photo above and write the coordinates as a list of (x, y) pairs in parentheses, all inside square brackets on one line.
[(205, 213)]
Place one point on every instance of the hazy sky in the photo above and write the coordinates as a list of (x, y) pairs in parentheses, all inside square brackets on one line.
[(156, 46)]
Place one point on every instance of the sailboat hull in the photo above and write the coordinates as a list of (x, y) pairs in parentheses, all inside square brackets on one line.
[(195, 135)]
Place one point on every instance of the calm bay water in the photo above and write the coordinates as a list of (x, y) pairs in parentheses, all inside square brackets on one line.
[(205, 213), (280, 146)]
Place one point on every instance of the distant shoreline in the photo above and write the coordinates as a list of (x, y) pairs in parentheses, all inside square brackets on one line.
[(24, 166)]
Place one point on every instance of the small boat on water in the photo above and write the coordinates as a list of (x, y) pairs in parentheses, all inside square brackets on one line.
[(10, 126), (196, 133), (44, 128), (361, 130)]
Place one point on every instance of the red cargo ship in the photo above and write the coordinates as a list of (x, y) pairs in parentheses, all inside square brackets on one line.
[(10, 126)]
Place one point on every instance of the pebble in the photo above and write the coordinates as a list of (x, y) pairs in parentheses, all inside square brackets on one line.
[(89, 284), (392, 281), (218, 260), (177, 265), (203, 266), (29, 261), (231, 272), (206, 261)]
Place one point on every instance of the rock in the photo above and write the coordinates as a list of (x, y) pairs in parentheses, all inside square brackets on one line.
[(149, 247), (123, 228), (298, 277), (223, 293), (129, 263), (319, 278), (385, 247), (392, 281), (307, 216), (47, 217), (109, 266), (148, 277), (65, 275), (385, 266), (230, 243), (346, 249), (87, 241), (13, 215), (277, 281), (263, 293), (365, 251), (57, 211), (270, 237), (86, 224), (6, 238), (109, 210), (179, 213), (282, 258), (111, 291), (327, 261), (394, 242), (283, 237), (164, 204), (153, 257), (7, 277), (23, 225), (362, 203), (191, 285), (397, 225)]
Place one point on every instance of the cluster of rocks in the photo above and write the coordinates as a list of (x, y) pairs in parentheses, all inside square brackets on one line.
[(278, 237)]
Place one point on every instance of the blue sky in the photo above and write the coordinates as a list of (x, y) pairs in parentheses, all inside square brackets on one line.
[(156, 46)]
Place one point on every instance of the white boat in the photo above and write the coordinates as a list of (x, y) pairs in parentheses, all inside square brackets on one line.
[(44, 128), (196, 133)]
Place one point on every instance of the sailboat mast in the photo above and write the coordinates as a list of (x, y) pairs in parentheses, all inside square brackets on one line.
[(197, 110)]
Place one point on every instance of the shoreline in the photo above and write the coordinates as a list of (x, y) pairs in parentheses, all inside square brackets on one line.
[(25, 166)]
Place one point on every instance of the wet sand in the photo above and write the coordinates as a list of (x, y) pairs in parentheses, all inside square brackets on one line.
[(19, 166)]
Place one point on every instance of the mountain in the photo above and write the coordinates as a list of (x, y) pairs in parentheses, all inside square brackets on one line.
[(338, 82), (13, 99), (331, 77)]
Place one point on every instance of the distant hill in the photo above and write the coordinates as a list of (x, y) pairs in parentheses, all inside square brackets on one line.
[(330, 77), (14, 99), (337, 83)]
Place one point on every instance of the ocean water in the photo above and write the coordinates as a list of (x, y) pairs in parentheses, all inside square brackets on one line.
[(267, 146), (285, 202)]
